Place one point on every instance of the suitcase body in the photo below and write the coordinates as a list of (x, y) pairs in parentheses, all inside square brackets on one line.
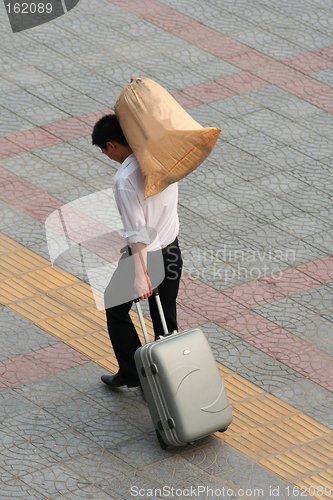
[(183, 387)]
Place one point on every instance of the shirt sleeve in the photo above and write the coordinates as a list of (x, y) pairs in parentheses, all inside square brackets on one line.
[(133, 218)]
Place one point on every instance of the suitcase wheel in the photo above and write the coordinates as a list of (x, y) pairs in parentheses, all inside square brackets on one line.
[(223, 430), (160, 440)]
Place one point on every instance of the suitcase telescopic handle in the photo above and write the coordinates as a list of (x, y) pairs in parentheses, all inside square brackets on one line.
[(160, 310)]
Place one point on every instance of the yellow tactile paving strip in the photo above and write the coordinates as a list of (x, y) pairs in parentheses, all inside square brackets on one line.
[(278, 436)]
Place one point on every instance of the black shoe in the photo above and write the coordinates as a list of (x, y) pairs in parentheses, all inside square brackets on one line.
[(115, 381)]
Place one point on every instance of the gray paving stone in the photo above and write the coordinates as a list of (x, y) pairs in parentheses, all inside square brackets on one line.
[(78, 106), (205, 202), (316, 330), (12, 123), (309, 398), (244, 359), (280, 183), (259, 481), (312, 17), (196, 232), (17, 489), (15, 101), (317, 175), (8, 86), (18, 336), (58, 480), (46, 391), (47, 114), (52, 91), (301, 225), (309, 199), (236, 106), (292, 134), (320, 299), (179, 473), (243, 164), (322, 240), (264, 119), (321, 122), (13, 404), (19, 457), (255, 36), (284, 312), (272, 208), (257, 143), (317, 149), (282, 102), (216, 177), (265, 235), (207, 268)]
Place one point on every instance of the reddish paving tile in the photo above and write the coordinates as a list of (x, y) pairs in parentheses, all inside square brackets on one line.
[(139, 8), (197, 34), (242, 82), (18, 371), (326, 53), (276, 73), (292, 281), (38, 364), (309, 63), (254, 293), (33, 139), (246, 323), (66, 130), (57, 358), (208, 92), (8, 149), (320, 270), (206, 301), (249, 60), (322, 100), (185, 100), (190, 288), (187, 318), (26, 197), (304, 87), (223, 47)]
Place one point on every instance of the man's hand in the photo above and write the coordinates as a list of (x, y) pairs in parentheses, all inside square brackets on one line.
[(142, 285)]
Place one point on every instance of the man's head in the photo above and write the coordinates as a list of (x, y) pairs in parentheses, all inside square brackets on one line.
[(109, 137)]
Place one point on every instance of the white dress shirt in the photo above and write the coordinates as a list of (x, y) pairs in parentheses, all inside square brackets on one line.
[(139, 216)]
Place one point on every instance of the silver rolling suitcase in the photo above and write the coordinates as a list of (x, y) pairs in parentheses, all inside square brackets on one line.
[(182, 385)]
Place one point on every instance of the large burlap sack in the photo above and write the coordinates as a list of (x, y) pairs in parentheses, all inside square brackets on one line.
[(166, 141)]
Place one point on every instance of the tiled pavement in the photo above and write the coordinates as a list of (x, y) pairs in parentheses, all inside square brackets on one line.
[(256, 233)]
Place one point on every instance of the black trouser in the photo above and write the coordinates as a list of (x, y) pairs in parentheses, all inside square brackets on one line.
[(123, 335)]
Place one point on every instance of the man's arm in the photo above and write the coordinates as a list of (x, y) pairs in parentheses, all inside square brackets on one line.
[(142, 282)]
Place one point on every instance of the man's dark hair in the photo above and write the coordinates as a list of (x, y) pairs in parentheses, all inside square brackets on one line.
[(107, 129)]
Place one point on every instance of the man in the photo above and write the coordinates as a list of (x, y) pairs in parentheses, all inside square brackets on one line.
[(141, 218)]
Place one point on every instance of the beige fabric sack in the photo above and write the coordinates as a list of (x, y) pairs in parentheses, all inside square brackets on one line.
[(166, 141)]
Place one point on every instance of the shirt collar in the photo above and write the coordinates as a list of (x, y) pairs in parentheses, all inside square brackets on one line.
[(124, 164)]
